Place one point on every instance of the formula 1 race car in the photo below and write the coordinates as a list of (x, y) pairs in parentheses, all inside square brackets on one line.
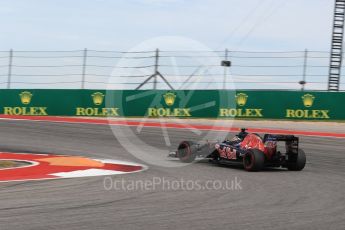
[(250, 149)]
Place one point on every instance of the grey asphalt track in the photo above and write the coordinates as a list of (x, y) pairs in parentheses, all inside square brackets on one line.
[(272, 199)]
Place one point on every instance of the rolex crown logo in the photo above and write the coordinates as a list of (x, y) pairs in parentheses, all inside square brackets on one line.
[(169, 98), (241, 99), (308, 100), (25, 97), (97, 98)]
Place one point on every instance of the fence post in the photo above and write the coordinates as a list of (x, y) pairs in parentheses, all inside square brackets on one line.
[(225, 68), (156, 70), (305, 65), (10, 59), (84, 69)]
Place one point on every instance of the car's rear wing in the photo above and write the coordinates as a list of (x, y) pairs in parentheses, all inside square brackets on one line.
[(279, 137), (291, 141)]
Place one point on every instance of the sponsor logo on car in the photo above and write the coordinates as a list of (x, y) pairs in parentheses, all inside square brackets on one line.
[(226, 152)]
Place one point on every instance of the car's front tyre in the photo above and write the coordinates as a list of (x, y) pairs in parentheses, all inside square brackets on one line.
[(187, 151)]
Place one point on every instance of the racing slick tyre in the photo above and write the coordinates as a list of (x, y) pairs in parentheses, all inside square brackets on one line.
[(187, 151), (253, 160), (297, 162)]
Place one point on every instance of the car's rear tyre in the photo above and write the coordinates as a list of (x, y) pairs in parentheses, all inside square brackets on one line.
[(253, 160), (186, 151), (297, 162)]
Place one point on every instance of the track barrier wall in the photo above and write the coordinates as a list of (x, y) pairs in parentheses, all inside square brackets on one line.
[(251, 104)]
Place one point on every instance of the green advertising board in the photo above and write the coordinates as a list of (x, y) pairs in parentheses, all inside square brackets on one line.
[(300, 105)]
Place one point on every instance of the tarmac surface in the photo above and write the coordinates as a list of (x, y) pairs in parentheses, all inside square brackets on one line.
[(272, 199)]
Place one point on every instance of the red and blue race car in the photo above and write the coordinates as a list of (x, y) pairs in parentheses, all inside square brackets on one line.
[(249, 149)]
